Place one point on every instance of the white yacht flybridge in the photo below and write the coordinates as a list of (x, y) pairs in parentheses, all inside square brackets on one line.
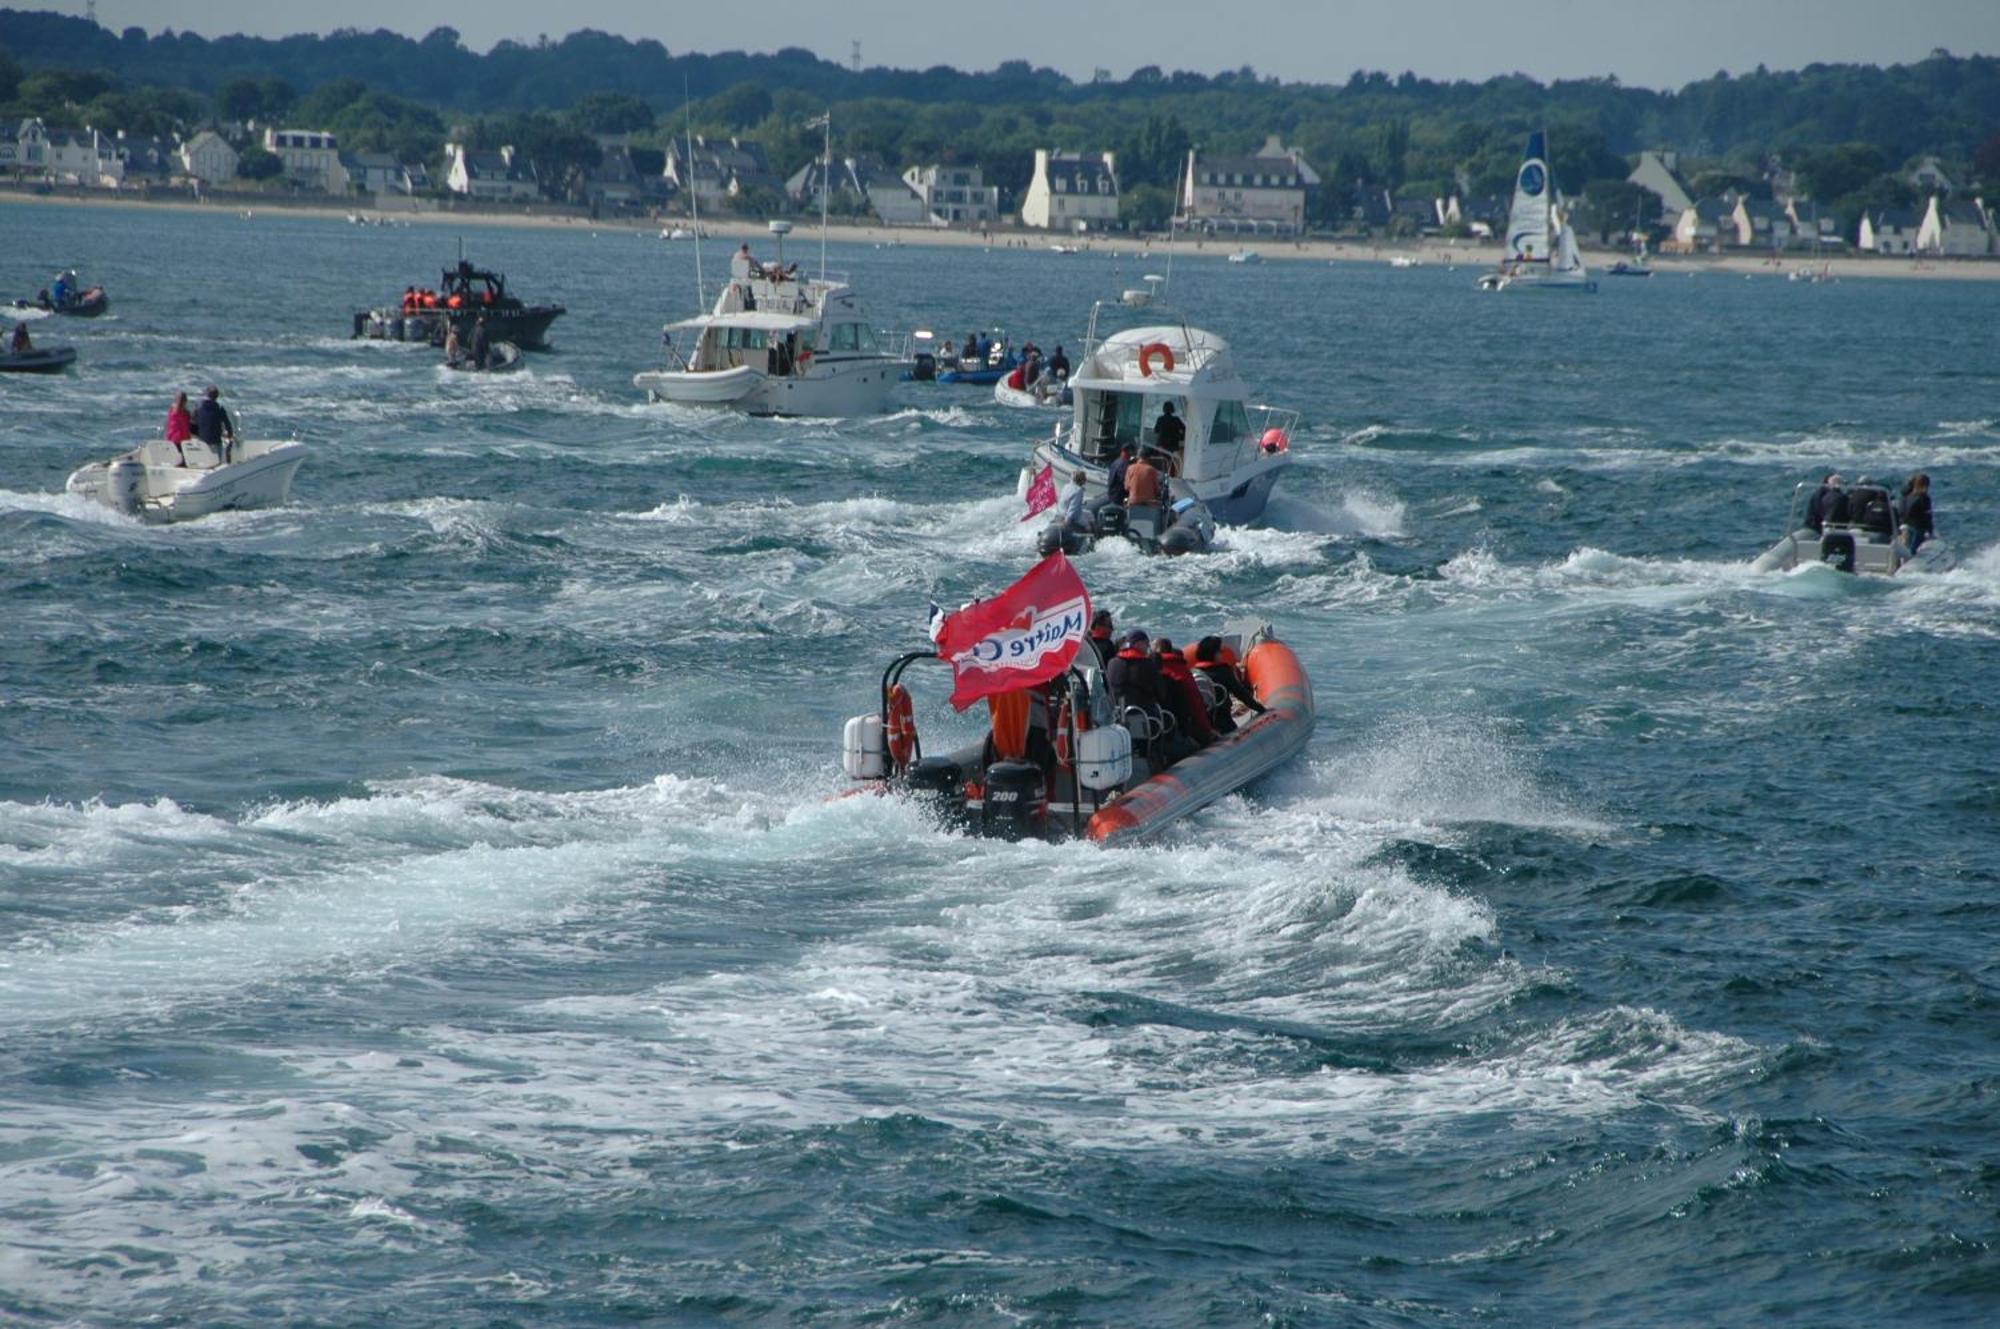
[(778, 343), (1233, 451)]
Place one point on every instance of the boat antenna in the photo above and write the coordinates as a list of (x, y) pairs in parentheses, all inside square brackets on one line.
[(827, 179), (694, 196)]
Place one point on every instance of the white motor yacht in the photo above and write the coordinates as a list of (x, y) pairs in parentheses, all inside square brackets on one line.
[(1234, 451), (150, 482), (778, 343)]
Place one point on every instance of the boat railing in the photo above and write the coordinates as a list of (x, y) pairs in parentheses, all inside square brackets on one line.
[(1792, 513), (1263, 420)]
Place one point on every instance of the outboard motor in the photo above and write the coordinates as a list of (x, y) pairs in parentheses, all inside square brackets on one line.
[(1016, 801), (1182, 538), (125, 484), (923, 367), (1837, 548), (1110, 519), (1061, 535), (938, 783)]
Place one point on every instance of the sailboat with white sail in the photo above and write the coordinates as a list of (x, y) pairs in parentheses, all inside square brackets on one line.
[(1541, 248)]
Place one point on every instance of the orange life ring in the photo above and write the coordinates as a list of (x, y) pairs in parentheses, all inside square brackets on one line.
[(1151, 349), (901, 728)]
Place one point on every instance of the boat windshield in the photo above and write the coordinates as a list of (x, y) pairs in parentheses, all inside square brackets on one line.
[(850, 337), (1118, 418)]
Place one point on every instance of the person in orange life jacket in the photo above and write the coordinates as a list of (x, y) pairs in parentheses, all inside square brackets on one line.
[(409, 299), (1228, 680), (1114, 479), (1183, 696), (1100, 638), (1134, 675), (1142, 483)]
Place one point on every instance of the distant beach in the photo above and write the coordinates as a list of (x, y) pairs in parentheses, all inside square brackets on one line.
[(1472, 254)]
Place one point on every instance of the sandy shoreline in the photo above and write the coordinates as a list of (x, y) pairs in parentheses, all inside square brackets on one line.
[(1438, 253)]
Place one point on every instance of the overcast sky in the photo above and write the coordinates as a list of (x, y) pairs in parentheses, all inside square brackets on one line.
[(1651, 43)]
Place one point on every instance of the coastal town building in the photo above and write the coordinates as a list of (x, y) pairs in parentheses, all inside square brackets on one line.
[(1658, 174), (1760, 223), (718, 170), (1261, 193), (207, 157), (1072, 191), (494, 177), (84, 157), (147, 157), (1929, 178), (1891, 231), (24, 146), (859, 183), (955, 195), (311, 158), (1955, 230)]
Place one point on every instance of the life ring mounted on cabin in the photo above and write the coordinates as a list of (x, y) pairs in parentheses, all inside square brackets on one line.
[(1151, 349)]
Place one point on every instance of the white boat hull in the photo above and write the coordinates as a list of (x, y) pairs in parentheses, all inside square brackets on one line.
[(831, 388), (1021, 399), (1847, 549), (149, 483)]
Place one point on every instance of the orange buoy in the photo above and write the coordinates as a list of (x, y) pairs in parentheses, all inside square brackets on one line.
[(1151, 349), (901, 729)]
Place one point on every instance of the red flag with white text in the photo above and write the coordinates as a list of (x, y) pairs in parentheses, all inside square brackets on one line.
[(1027, 634), (1042, 491)]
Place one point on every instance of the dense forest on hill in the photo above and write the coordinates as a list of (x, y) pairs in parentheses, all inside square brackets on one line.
[(1846, 127)]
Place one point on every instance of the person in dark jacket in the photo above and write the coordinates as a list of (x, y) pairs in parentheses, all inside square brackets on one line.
[(1228, 680), (1914, 512), (1100, 638), (213, 426), (481, 347), (1182, 696), (1828, 503), (1134, 675), (1169, 434), (1114, 479)]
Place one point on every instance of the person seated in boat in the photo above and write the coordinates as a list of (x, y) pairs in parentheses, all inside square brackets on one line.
[(1869, 508), (1183, 699), (1914, 513), (1100, 639), (59, 290), (1114, 479), (1076, 516), (213, 426), (1168, 432), (19, 344), (743, 265), (1134, 678), (180, 426), (453, 352), (1145, 485), (1828, 503), (968, 354), (42, 299), (1216, 663), (1059, 363)]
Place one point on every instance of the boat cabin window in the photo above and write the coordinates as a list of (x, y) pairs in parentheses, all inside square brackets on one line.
[(1118, 418), (746, 339), (851, 337), (1231, 425)]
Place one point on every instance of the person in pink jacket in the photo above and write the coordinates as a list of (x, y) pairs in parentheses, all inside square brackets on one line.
[(180, 425)]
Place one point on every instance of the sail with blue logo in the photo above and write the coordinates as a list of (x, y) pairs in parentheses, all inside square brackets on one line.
[(1528, 221)]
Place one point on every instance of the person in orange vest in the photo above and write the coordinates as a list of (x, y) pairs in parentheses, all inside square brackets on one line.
[(1182, 695), (1142, 482), (1214, 659), (409, 299)]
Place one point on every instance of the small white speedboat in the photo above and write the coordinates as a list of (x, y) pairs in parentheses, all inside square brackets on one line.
[(150, 483), (1028, 399)]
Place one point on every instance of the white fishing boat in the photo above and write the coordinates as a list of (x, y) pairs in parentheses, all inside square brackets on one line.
[(1245, 256), (1541, 253), (1233, 452), (778, 343), (150, 482)]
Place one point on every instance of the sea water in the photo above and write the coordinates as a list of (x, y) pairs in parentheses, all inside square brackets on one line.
[(425, 904)]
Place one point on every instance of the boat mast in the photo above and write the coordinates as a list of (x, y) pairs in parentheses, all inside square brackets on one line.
[(825, 183), (694, 197)]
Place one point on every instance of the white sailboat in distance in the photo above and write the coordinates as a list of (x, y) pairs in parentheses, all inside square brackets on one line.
[(1541, 250)]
